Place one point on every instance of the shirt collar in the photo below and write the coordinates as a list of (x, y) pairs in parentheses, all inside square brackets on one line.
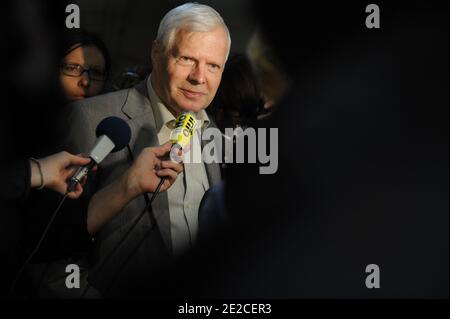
[(163, 117)]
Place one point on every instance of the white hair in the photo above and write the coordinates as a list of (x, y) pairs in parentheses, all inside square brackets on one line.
[(191, 17)]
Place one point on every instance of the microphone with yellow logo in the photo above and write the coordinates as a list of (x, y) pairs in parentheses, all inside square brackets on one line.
[(181, 135)]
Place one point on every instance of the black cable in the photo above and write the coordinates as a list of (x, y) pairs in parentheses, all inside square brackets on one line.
[(103, 263), (36, 249)]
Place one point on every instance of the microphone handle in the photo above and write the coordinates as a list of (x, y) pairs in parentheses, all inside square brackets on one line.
[(79, 175)]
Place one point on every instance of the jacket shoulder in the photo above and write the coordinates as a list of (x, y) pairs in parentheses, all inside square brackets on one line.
[(100, 106)]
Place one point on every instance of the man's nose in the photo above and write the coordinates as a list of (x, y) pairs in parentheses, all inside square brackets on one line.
[(197, 75)]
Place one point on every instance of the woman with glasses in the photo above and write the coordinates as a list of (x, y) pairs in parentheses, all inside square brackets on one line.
[(85, 65)]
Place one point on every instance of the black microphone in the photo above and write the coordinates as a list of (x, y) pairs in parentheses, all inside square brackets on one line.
[(113, 134)]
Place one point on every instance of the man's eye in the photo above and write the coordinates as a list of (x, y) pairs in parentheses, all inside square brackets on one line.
[(214, 67), (186, 60)]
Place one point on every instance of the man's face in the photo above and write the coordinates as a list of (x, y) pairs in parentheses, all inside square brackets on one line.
[(186, 78)]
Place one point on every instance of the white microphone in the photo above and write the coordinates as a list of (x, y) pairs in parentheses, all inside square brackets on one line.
[(113, 135)]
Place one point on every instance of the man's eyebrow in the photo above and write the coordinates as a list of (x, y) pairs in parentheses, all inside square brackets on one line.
[(188, 56), (220, 65), (180, 54)]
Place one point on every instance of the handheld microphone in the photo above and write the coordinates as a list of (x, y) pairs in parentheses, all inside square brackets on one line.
[(113, 134), (182, 133)]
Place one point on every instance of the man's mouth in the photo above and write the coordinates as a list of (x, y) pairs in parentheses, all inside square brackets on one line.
[(192, 94)]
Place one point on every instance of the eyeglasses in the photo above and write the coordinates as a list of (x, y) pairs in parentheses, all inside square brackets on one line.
[(75, 70)]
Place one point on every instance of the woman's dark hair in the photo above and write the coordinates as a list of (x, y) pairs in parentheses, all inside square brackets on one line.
[(75, 38), (238, 93)]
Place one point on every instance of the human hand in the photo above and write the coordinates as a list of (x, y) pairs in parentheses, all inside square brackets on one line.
[(148, 169), (56, 170)]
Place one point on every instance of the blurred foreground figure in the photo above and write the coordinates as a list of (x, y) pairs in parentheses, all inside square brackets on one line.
[(363, 163), (29, 119)]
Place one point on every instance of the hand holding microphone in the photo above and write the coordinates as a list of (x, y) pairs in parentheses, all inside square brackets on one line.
[(148, 169), (113, 135), (143, 176), (53, 171), (180, 141), (149, 173)]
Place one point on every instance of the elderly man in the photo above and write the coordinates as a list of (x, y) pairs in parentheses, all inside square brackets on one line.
[(188, 58)]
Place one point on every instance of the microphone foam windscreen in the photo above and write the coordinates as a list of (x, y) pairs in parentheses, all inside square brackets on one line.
[(116, 129)]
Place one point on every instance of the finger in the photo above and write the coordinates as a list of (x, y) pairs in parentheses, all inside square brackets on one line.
[(166, 184), (169, 173), (161, 150), (156, 164), (79, 189), (83, 181), (59, 186), (72, 195), (76, 193), (172, 165), (77, 160), (69, 172)]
